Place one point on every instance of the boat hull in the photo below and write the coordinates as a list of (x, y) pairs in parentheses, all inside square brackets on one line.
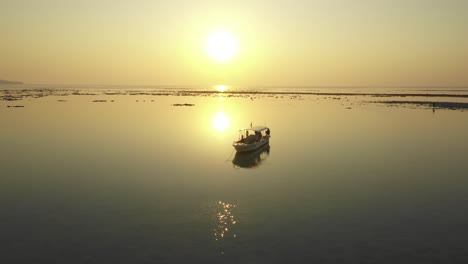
[(242, 147), (251, 159)]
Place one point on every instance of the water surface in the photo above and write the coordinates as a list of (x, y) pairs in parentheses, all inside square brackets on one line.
[(130, 178)]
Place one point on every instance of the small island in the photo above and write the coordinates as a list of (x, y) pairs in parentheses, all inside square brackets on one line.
[(9, 82)]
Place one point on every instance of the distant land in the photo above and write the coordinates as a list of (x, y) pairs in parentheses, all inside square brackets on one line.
[(9, 82)]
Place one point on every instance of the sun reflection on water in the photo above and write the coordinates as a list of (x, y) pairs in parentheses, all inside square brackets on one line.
[(221, 88), (225, 221), (221, 121)]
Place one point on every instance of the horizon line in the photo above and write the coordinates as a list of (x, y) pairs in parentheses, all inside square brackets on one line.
[(252, 86)]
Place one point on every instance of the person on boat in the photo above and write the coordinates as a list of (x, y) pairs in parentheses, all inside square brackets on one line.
[(259, 135)]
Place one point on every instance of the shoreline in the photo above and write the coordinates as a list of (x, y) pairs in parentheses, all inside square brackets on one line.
[(156, 92), (434, 100), (429, 105)]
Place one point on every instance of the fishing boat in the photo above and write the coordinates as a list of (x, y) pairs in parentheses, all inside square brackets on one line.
[(252, 138)]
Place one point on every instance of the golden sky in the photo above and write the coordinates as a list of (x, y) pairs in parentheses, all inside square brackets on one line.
[(281, 43)]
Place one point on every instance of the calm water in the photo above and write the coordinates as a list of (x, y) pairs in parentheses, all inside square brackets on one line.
[(138, 180)]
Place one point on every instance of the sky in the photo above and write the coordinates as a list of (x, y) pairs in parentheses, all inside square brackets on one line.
[(280, 43)]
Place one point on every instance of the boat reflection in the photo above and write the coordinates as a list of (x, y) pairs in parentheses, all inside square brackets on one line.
[(251, 159)]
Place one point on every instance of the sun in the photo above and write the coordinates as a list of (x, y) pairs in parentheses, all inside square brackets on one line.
[(221, 46)]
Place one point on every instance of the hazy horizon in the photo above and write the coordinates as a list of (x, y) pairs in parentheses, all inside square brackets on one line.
[(245, 86), (310, 43)]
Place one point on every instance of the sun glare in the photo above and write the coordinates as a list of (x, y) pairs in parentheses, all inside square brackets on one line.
[(221, 88), (221, 121), (221, 46)]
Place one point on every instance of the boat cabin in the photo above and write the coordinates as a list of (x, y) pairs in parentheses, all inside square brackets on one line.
[(253, 134)]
